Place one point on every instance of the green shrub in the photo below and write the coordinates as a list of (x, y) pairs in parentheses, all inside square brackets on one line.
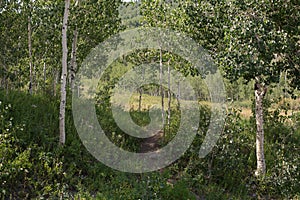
[(178, 192)]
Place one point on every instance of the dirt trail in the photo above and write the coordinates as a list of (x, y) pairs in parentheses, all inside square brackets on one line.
[(152, 143)]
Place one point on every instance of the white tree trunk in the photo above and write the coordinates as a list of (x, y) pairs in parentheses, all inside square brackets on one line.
[(161, 87), (30, 55), (140, 90), (44, 76), (260, 92), (62, 133), (178, 95), (169, 95)]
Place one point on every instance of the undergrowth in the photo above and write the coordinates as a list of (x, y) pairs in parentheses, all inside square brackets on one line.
[(33, 165)]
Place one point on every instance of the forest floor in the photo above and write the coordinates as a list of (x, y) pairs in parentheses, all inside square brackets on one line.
[(152, 143)]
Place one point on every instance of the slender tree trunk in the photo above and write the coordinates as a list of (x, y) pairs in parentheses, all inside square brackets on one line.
[(7, 86), (140, 98), (285, 85), (34, 82), (260, 92), (44, 73), (44, 77), (161, 87), (140, 90), (30, 55), (169, 95), (62, 133), (73, 66), (178, 95)]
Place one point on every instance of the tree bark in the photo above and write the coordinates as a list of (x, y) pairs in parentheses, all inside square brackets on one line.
[(140, 98), (169, 95), (140, 90), (44, 73), (62, 133), (178, 95), (161, 87), (285, 85), (260, 91), (30, 54)]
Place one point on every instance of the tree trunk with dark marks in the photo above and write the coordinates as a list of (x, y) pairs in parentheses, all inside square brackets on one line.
[(62, 132), (260, 91), (30, 54), (178, 95), (140, 98), (161, 87), (169, 95)]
